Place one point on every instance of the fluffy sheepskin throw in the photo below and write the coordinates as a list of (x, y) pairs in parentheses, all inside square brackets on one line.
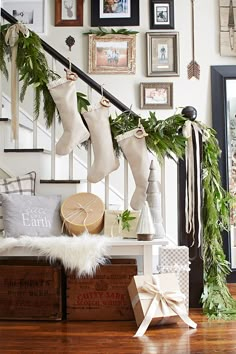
[(82, 254)]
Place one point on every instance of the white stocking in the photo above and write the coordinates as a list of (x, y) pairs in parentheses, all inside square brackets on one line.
[(136, 153), (104, 157), (63, 92)]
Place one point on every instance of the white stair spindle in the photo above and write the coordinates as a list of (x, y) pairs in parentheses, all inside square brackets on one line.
[(107, 187), (35, 130), (71, 165), (1, 92), (89, 152), (17, 108), (53, 135), (163, 193), (126, 184)]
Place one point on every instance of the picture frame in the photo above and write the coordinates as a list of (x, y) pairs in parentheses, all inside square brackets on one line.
[(112, 54), (162, 14), (121, 13), (156, 95), (162, 54), (31, 12), (68, 12)]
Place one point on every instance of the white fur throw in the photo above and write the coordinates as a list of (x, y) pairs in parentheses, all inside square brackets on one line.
[(82, 254)]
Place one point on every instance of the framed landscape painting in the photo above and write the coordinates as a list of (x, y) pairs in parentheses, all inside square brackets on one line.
[(114, 13)]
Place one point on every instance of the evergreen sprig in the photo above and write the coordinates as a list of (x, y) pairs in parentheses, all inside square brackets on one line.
[(102, 31), (125, 218), (164, 138), (216, 298)]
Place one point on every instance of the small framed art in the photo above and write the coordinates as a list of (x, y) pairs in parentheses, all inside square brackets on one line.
[(156, 95), (162, 54), (68, 12), (112, 54), (162, 14), (30, 12), (114, 13)]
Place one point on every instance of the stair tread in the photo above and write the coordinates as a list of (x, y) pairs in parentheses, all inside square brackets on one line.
[(24, 150), (4, 119), (62, 181)]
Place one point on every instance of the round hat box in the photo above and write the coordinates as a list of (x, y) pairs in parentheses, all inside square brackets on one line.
[(83, 211)]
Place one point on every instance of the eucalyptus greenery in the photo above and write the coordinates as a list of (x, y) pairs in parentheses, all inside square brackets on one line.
[(125, 218), (164, 138), (102, 31), (216, 299)]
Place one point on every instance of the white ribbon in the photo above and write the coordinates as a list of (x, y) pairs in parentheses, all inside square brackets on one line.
[(166, 300), (191, 196), (11, 39), (76, 211)]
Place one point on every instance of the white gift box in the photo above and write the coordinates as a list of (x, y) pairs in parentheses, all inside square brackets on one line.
[(176, 260)]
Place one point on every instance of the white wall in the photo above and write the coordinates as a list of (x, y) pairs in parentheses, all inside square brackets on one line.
[(126, 87)]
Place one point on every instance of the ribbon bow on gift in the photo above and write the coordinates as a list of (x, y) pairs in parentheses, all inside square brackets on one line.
[(166, 300), (11, 39), (76, 211)]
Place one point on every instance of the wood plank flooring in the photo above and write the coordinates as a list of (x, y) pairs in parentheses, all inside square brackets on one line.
[(117, 337)]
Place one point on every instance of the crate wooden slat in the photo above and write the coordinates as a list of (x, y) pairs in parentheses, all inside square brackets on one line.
[(30, 289), (103, 297)]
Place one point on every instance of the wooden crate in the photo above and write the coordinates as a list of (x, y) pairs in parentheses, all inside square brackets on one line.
[(103, 297), (30, 289)]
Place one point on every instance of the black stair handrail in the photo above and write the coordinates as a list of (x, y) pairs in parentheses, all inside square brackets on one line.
[(82, 75)]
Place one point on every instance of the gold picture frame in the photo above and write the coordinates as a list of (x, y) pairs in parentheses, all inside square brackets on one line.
[(112, 54)]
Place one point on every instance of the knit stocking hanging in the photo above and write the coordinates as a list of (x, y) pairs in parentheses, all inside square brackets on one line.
[(63, 92), (104, 157), (135, 151)]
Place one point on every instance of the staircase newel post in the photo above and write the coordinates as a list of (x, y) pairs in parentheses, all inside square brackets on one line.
[(185, 238)]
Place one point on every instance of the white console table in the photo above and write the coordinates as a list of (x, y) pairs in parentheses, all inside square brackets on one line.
[(125, 247), (117, 247)]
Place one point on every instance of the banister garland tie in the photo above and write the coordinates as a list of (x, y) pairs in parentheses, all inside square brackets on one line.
[(11, 39)]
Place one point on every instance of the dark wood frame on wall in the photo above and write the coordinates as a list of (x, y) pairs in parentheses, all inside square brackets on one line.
[(96, 20), (79, 14), (171, 22)]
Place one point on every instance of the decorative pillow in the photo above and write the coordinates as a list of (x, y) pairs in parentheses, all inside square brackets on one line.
[(31, 215), (17, 185)]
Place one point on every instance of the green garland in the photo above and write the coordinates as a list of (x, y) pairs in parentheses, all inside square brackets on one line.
[(102, 31), (216, 299), (164, 139)]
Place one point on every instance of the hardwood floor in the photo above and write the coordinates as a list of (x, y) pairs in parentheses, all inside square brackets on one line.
[(116, 337)]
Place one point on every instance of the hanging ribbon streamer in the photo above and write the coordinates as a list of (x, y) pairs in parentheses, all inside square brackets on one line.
[(11, 39), (166, 301), (76, 212), (192, 194)]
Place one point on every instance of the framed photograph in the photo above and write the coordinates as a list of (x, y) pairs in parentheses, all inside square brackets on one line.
[(30, 12), (68, 12), (112, 54), (163, 54), (156, 95), (114, 13), (162, 14)]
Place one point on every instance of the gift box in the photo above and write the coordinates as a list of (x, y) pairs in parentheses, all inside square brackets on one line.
[(83, 212), (114, 228), (156, 299), (176, 260)]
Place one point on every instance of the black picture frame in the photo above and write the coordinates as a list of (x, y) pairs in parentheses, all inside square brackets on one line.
[(219, 76), (164, 17), (98, 21)]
